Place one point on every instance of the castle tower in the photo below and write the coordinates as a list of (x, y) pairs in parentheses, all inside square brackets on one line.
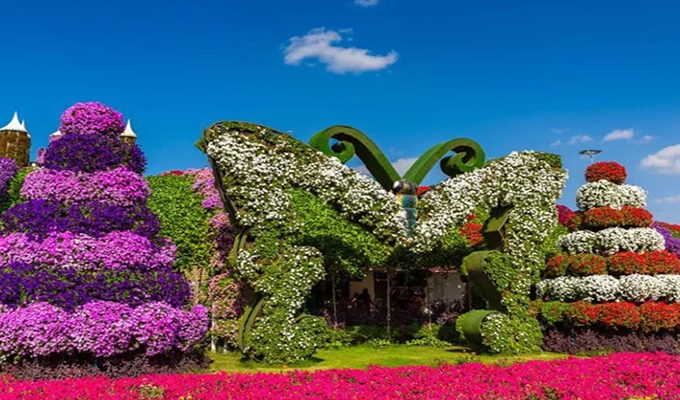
[(15, 141), (128, 135), (55, 135)]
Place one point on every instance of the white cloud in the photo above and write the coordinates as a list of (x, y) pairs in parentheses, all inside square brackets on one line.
[(556, 143), (321, 44), (559, 131), (366, 3), (664, 161), (362, 169), (619, 134), (668, 200), (403, 164), (580, 139), (645, 139)]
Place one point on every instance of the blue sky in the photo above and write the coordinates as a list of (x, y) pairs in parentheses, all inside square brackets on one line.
[(511, 75)]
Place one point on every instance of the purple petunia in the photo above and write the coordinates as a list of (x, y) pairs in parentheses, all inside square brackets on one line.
[(118, 186), (93, 153), (115, 250), (82, 269), (42, 217), (8, 168), (91, 118), (22, 284), (672, 243), (102, 328)]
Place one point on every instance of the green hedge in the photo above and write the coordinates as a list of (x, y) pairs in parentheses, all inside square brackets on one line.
[(183, 219), (14, 192)]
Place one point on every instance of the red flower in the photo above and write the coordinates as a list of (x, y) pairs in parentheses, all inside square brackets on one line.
[(657, 316), (627, 263), (607, 217), (607, 170), (173, 172), (568, 218), (421, 190), (472, 230), (584, 312), (651, 316), (579, 265), (620, 314), (588, 264), (662, 262), (558, 265)]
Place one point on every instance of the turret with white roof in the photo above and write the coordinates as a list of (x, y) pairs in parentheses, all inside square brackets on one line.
[(15, 141)]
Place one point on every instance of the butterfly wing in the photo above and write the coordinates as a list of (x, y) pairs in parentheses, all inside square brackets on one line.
[(279, 191)]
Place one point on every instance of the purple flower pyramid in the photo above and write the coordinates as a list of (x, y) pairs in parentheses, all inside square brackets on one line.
[(82, 270)]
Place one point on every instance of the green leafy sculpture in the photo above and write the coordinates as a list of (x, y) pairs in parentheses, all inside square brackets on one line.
[(350, 142), (301, 213)]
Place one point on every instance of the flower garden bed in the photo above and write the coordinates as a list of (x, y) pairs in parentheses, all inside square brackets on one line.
[(617, 376)]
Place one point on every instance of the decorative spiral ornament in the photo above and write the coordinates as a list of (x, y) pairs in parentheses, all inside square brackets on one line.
[(351, 142)]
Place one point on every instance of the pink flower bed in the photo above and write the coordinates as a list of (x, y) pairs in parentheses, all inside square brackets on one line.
[(118, 186), (618, 376)]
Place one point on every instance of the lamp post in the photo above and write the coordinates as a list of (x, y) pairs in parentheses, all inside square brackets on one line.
[(590, 153)]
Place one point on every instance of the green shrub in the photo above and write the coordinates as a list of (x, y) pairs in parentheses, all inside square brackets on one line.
[(345, 245), (14, 192), (183, 219)]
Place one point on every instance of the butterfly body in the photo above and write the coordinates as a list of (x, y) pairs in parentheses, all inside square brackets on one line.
[(405, 191)]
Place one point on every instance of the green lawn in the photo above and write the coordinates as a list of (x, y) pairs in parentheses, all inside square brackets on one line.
[(362, 356)]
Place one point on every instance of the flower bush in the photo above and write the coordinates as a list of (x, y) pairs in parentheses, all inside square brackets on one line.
[(650, 316), (605, 193), (642, 262), (228, 303), (472, 230), (92, 153), (67, 288), (607, 217), (99, 327), (115, 250), (670, 236), (118, 186), (578, 265), (654, 262), (42, 217), (91, 118), (616, 376), (612, 240), (8, 168), (183, 219), (622, 263), (193, 216), (83, 270), (568, 218), (598, 339), (673, 228), (602, 288), (606, 170)]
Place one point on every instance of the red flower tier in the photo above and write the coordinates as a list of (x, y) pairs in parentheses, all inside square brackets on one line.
[(615, 286)]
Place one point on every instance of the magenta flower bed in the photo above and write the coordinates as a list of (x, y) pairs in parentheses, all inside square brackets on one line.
[(619, 376), (115, 250), (100, 327), (118, 186)]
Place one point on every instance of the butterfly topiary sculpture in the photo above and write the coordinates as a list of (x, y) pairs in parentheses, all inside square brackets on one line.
[(282, 193)]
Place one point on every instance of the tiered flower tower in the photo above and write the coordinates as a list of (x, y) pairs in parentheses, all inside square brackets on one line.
[(84, 278), (615, 287)]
